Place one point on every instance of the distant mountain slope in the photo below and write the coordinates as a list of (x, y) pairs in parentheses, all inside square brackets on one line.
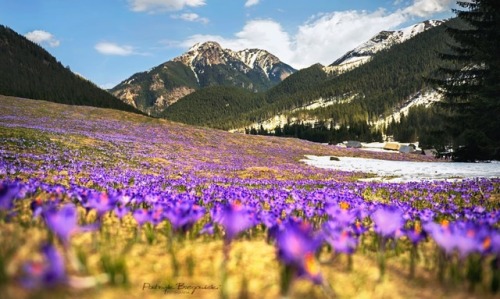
[(205, 64), (368, 93), (27, 70), (217, 104), (226, 107), (382, 41)]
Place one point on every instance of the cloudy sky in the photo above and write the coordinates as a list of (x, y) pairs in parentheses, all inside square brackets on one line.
[(107, 41)]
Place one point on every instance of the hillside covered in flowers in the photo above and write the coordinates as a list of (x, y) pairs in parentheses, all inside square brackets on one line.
[(100, 203)]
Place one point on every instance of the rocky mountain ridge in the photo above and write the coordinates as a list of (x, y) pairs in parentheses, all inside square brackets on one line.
[(203, 65)]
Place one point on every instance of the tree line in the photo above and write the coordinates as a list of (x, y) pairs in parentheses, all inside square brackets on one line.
[(28, 71)]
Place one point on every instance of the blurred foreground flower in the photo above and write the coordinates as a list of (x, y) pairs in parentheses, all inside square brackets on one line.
[(8, 192), (235, 218), (297, 245), (183, 215), (48, 273), (64, 222), (388, 221)]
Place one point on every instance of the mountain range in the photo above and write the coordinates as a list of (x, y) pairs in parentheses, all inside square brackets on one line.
[(207, 77), (203, 65), (389, 77), (233, 90)]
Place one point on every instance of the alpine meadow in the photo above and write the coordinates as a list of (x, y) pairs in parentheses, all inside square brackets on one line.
[(249, 149)]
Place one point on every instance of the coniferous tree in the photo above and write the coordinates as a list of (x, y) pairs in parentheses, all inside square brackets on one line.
[(469, 79)]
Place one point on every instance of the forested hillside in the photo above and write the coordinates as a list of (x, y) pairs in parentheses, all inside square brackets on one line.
[(364, 94), (28, 71), (215, 105), (232, 107)]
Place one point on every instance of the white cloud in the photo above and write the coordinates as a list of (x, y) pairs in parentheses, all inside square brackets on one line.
[(42, 38), (251, 3), (425, 8), (262, 34), (328, 37), (324, 38), (191, 17), (163, 5), (107, 48)]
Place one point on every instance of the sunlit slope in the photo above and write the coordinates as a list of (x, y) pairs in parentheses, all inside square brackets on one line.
[(156, 145), (103, 169)]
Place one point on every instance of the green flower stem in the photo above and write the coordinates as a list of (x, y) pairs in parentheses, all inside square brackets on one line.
[(349, 262), (171, 249), (381, 257), (226, 249), (287, 276), (441, 264), (413, 259)]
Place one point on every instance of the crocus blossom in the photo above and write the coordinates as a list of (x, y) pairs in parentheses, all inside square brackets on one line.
[(47, 273)]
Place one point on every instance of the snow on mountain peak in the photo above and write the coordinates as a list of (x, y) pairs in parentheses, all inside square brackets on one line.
[(383, 40), (257, 58), (211, 53), (205, 46)]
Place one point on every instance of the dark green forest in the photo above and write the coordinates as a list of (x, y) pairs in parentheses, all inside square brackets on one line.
[(323, 132), (231, 107), (469, 79), (362, 96), (218, 104), (28, 71)]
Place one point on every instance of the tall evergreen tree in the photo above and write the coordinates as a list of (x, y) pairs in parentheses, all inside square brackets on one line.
[(470, 81)]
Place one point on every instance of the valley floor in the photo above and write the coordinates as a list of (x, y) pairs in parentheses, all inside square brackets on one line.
[(126, 203)]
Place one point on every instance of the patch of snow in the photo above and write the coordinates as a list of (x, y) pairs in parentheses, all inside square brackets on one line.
[(405, 171), (426, 98), (282, 119), (191, 66), (195, 47)]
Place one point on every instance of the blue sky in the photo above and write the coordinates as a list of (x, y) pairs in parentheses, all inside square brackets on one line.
[(107, 41)]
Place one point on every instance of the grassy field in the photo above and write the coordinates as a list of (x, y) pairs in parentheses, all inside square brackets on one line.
[(97, 203)]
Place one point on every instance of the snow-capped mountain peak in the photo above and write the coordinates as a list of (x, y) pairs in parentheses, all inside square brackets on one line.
[(207, 53), (383, 40), (211, 53), (204, 64)]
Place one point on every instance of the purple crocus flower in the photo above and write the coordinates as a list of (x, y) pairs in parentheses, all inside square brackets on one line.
[(141, 216), (120, 211), (8, 192), (415, 234), (388, 221), (343, 239), (36, 207), (296, 247), (49, 273), (101, 202), (465, 237), (342, 213), (207, 229), (235, 218), (62, 222), (468, 238), (442, 235), (183, 215), (157, 214)]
